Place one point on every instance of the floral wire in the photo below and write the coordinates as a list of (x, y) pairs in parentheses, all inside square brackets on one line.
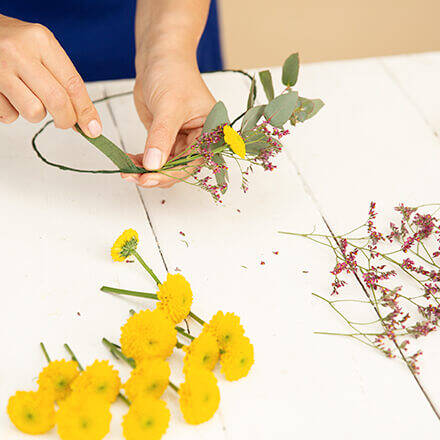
[(106, 98)]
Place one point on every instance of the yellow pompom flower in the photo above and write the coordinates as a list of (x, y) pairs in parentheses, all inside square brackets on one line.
[(147, 418), (203, 352), (238, 359), (149, 379), (125, 244), (83, 416), (32, 412), (235, 141), (199, 396), (99, 379), (175, 297), (58, 377), (225, 327), (147, 335)]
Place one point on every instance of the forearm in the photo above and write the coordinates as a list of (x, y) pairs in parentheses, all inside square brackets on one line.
[(169, 27)]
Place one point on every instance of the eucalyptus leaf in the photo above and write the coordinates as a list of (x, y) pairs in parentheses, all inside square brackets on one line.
[(266, 80), (217, 116), (258, 142), (112, 151), (317, 105), (290, 70), (251, 117), (280, 109), (307, 108), (252, 93)]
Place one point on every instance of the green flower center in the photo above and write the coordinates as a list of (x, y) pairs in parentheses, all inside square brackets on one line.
[(148, 423)]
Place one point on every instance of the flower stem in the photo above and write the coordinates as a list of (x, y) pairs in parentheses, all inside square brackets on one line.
[(129, 292), (118, 353), (72, 355), (196, 318), (115, 351), (184, 333), (46, 355), (144, 295), (174, 387), (146, 267), (74, 358)]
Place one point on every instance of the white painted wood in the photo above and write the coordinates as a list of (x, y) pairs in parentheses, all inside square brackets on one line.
[(301, 383), (372, 143), (59, 228)]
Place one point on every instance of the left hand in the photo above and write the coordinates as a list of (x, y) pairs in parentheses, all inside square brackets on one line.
[(172, 102)]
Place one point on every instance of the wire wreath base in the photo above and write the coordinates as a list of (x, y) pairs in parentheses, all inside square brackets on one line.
[(125, 165)]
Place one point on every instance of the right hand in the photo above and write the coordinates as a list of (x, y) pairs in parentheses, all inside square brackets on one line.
[(36, 76)]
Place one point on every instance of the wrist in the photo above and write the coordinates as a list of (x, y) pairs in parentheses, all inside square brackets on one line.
[(169, 51)]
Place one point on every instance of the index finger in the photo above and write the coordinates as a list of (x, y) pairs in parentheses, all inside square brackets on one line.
[(62, 68)]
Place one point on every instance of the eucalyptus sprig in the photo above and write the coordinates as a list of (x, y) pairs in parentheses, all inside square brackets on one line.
[(255, 143)]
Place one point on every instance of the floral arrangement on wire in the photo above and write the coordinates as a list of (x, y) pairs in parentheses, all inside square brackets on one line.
[(256, 143), (397, 273), (148, 338)]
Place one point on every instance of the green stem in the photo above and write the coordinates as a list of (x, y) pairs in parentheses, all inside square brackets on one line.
[(174, 387), (46, 355), (74, 358), (118, 353), (72, 355), (196, 318), (144, 295), (129, 292), (184, 333), (146, 267)]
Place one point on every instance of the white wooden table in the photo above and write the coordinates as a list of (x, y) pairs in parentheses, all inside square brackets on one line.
[(376, 139)]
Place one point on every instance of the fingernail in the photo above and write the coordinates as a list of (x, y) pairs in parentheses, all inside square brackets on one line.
[(94, 128), (130, 178), (153, 159), (150, 183)]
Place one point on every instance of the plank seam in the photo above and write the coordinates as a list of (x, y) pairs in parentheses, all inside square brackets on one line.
[(399, 85), (121, 142)]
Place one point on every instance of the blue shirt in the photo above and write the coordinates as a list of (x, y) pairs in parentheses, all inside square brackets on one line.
[(98, 35)]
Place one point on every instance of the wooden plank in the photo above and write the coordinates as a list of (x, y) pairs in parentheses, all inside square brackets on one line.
[(57, 231), (300, 384), (371, 143), (417, 76)]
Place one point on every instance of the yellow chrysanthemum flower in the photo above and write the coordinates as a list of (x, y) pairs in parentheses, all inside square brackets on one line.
[(83, 416), (32, 412), (235, 141), (125, 244), (100, 379), (149, 379), (147, 335), (58, 377), (199, 396), (225, 327), (175, 297), (147, 418), (203, 352), (238, 359)]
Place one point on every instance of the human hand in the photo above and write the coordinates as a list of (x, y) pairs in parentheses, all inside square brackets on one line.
[(172, 102), (36, 76)]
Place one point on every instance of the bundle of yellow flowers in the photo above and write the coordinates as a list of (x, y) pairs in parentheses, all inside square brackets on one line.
[(148, 338)]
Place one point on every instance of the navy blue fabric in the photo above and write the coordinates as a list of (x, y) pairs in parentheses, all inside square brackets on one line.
[(98, 35)]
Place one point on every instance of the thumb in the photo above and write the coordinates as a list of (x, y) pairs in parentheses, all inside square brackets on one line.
[(161, 138)]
